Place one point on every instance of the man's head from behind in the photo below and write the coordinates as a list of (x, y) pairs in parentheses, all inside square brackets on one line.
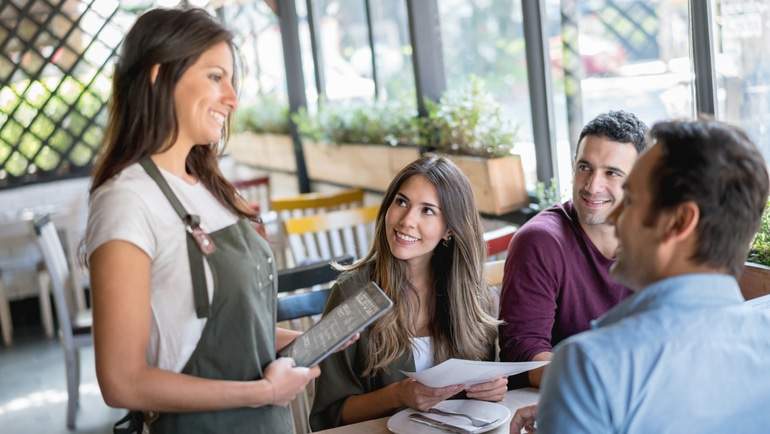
[(693, 203), (606, 151)]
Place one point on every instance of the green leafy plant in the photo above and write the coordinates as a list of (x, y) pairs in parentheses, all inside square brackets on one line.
[(469, 121), (547, 194), (265, 115), (760, 249), (387, 123)]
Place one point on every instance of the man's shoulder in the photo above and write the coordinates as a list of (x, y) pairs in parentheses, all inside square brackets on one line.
[(618, 338), (553, 226)]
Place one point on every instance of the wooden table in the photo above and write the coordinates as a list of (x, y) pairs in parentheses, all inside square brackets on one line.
[(514, 399)]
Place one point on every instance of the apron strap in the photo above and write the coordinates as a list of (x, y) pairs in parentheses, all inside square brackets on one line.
[(192, 222)]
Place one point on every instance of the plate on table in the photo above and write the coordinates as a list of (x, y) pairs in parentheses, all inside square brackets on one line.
[(400, 423)]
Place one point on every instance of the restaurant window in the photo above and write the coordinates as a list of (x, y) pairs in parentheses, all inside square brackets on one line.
[(258, 38), (632, 55), (393, 51), (485, 39), (344, 40), (742, 40)]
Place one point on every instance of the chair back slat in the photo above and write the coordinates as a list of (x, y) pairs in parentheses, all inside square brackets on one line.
[(336, 243), (363, 241), (324, 246), (297, 247)]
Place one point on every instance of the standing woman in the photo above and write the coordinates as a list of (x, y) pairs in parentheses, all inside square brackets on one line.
[(184, 289), (428, 257)]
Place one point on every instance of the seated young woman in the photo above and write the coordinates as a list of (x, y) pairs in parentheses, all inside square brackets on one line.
[(427, 255)]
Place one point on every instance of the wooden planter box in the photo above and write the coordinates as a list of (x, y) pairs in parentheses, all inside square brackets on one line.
[(498, 183), (365, 166), (265, 151), (755, 281)]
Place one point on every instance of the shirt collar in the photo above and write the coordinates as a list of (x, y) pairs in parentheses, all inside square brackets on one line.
[(685, 291)]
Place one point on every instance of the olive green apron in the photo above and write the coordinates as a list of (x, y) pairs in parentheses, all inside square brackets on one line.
[(238, 341)]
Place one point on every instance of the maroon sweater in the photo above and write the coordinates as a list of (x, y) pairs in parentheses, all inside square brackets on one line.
[(556, 281)]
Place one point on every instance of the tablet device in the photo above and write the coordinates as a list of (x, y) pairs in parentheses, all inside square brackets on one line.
[(338, 326)]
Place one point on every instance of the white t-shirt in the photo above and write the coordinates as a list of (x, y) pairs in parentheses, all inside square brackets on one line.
[(422, 350), (131, 207)]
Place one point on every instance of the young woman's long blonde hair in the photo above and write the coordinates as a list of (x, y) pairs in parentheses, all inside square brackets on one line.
[(464, 323)]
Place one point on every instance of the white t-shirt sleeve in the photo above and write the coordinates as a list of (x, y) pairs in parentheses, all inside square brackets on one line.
[(119, 214)]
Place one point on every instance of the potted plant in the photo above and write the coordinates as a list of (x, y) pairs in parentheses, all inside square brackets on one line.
[(468, 127), (755, 280), (261, 136), (357, 144)]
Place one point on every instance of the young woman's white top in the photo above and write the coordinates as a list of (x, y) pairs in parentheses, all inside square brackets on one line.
[(422, 350), (130, 207)]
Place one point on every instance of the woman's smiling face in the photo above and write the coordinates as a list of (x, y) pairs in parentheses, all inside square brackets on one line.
[(414, 221), (204, 97)]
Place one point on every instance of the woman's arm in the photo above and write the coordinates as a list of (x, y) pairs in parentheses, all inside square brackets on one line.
[(383, 402), (284, 337), (120, 278)]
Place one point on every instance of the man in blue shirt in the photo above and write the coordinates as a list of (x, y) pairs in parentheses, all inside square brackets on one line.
[(684, 354)]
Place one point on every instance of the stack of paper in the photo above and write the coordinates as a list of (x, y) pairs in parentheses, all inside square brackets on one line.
[(469, 372)]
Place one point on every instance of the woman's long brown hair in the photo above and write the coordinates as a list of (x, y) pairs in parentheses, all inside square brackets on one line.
[(142, 120), (464, 323)]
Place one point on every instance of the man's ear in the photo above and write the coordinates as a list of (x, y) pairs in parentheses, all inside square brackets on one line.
[(154, 73), (681, 222)]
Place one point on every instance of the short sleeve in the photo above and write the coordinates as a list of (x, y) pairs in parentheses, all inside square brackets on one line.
[(119, 214)]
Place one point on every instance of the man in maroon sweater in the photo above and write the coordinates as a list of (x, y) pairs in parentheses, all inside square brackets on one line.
[(557, 271)]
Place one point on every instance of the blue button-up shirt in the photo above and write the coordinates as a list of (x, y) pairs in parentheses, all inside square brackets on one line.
[(684, 355)]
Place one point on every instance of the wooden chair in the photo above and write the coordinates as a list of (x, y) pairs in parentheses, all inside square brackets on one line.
[(304, 205), (297, 306), (331, 234), (316, 203), (498, 241), (74, 327)]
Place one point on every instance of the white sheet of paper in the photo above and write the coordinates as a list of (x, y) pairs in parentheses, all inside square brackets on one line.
[(760, 302), (469, 372)]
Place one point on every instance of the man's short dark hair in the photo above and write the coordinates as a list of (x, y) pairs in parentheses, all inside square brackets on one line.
[(618, 126), (719, 168)]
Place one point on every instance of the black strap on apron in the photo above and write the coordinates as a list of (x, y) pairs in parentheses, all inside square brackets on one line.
[(194, 253)]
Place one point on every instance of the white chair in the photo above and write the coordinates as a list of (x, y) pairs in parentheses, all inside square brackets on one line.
[(74, 327), (20, 261), (332, 234)]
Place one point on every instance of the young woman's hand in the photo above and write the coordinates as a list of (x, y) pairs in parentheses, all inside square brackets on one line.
[(490, 391), (286, 380), (421, 397)]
